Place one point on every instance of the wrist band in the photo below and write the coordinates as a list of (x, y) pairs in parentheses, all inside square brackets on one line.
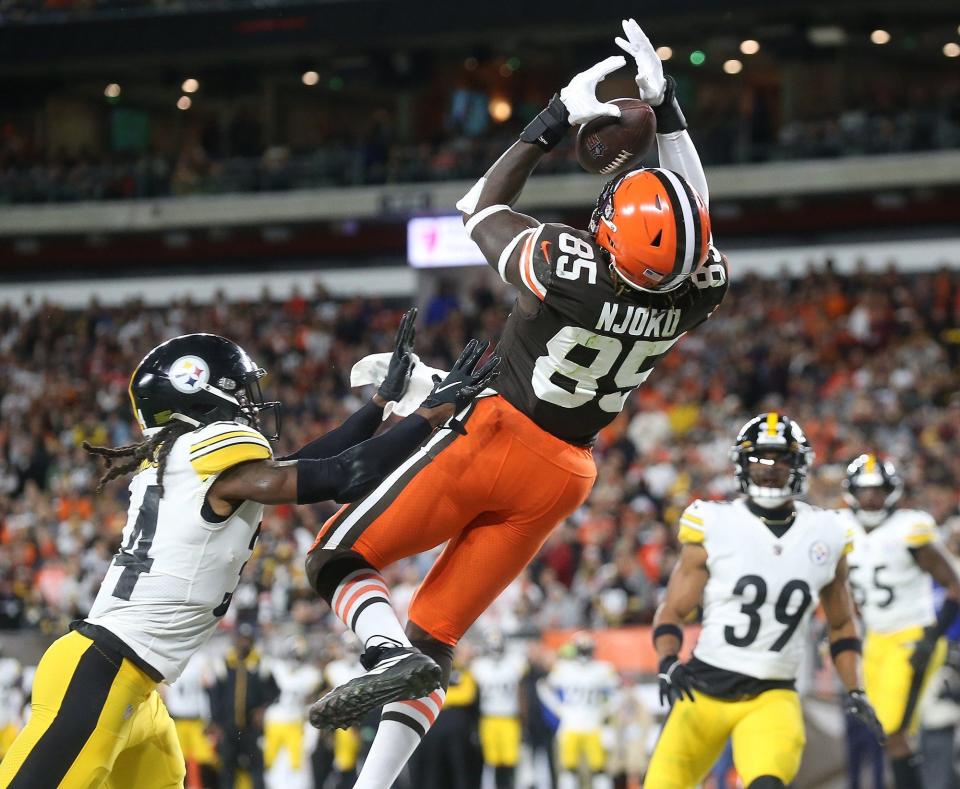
[(668, 113), (845, 645), (667, 630), (549, 127)]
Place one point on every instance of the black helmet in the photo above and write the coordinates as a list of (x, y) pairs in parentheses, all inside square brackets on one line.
[(779, 433), (200, 379), (868, 471)]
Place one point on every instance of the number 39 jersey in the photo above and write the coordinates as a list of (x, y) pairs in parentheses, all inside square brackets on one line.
[(179, 562), (571, 367), (889, 587), (762, 589)]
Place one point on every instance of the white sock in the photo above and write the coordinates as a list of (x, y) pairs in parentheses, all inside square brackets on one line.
[(362, 603), (402, 726), (568, 780)]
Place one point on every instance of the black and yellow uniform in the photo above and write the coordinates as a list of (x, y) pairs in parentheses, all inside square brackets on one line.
[(97, 720)]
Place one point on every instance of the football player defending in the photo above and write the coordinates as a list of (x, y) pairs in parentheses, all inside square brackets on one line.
[(758, 566), (895, 554), (595, 311), (202, 475), (578, 690)]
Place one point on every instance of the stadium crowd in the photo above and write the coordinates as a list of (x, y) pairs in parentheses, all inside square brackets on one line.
[(377, 154)]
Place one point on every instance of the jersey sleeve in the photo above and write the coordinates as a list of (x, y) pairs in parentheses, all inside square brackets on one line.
[(222, 445), (692, 526), (920, 530), (848, 538), (530, 250), (711, 282)]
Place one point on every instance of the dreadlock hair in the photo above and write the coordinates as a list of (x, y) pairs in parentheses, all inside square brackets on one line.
[(157, 447)]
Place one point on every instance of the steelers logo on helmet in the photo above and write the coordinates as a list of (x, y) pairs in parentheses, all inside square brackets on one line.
[(655, 227), (772, 458), (872, 489), (189, 374)]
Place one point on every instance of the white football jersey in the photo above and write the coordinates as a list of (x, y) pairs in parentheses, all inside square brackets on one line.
[(499, 681), (888, 585), (298, 683), (583, 688), (11, 695), (762, 589), (178, 564), (187, 697)]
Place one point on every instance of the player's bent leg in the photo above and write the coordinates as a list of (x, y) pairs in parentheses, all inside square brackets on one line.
[(152, 757), (403, 724), (692, 740), (769, 737), (84, 697)]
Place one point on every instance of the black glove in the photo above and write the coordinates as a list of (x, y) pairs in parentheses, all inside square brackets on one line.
[(923, 650), (855, 703), (675, 680), (401, 363), (463, 383)]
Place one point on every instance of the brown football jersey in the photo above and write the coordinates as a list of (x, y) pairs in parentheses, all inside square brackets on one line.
[(571, 367)]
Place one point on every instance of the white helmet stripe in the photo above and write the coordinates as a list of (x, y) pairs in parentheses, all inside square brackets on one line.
[(689, 253)]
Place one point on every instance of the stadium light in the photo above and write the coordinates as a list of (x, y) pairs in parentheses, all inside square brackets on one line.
[(749, 46), (732, 66), (500, 109), (880, 37), (310, 78), (190, 85), (951, 50), (697, 57), (183, 103), (664, 53), (112, 91)]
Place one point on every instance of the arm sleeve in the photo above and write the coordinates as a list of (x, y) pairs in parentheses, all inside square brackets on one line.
[(692, 528), (358, 470), (223, 445), (362, 424), (922, 531), (678, 153)]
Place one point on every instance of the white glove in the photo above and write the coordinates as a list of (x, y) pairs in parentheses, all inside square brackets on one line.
[(650, 79), (580, 96)]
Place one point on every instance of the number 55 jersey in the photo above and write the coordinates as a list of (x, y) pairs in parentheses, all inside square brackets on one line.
[(178, 562), (571, 367), (762, 591)]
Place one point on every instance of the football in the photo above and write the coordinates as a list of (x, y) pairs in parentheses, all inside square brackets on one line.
[(607, 146)]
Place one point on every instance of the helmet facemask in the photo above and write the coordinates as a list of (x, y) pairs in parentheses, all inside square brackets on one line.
[(772, 460), (871, 490)]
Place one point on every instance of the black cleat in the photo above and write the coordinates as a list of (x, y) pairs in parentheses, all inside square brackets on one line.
[(393, 674)]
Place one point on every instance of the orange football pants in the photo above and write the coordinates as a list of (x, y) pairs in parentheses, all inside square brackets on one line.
[(494, 495)]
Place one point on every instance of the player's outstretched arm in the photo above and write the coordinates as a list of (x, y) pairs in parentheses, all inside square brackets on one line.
[(355, 472), (932, 559), (486, 211), (845, 647), (364, 422), (674, 144), (684, 593)]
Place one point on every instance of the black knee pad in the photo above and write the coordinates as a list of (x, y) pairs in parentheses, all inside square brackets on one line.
[(766, 782), (326, 569), (441, 653)]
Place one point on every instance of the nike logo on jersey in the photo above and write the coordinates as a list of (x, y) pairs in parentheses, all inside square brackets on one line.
[(545, 249), (441, 388), (639, 321)]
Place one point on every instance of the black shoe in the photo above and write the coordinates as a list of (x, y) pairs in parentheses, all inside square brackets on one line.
[(393, 674)]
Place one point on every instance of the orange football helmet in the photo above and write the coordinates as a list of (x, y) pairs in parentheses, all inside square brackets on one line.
[(655, 227)]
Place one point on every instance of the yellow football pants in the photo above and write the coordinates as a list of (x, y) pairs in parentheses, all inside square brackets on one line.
[(280, 735), (196, 746), (888, 678), (97, 720), (500, 740), (767, 731), (346, 749), (582, 746)]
